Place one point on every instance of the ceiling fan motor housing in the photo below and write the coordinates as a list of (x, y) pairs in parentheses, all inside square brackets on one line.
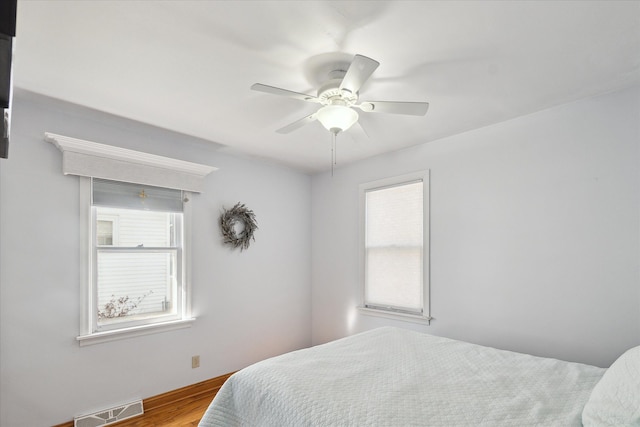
[(331, 94)]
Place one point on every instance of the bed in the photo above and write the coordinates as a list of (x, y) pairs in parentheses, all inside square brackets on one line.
[(396, 377)]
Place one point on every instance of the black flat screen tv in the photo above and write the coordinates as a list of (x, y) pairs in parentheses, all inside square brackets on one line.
[(7, 32)]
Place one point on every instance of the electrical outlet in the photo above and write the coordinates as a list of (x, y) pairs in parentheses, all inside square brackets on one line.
[(195, 362)]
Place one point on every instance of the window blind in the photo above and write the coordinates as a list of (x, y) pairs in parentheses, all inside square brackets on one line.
[(114, 194), (394, 247)]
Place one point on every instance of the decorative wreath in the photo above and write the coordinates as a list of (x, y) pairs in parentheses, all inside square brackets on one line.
[(228, 220)]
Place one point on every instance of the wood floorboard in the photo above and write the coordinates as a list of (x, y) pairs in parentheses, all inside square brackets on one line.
[(184, 413)]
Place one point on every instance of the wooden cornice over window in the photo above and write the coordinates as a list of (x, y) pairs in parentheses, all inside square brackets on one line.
[(86, 158)]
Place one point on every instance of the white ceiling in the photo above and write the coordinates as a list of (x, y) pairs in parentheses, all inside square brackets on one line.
[(188, 65)]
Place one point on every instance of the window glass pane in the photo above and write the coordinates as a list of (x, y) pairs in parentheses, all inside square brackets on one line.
[(133, 285), (136, 228), (394, 216), (395, 275), (137, 276), (394, 246)]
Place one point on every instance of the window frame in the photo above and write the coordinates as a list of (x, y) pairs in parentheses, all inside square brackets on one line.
[(390, 313), (175, 250), (89, 333)]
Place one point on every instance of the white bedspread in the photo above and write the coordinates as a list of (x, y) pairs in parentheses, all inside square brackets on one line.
[(395, 377)]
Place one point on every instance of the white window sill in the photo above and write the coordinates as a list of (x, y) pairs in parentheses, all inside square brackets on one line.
[(100, 337), (405, 317)]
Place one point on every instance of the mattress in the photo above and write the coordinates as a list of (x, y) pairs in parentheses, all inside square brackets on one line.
[(396, 377)]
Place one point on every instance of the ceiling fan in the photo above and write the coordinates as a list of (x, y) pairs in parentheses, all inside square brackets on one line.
[(339, 97)]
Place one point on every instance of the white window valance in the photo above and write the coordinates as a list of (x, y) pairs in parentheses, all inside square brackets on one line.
[(86, 158)]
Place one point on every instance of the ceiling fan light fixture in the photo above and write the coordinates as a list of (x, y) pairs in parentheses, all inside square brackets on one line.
[(337, 118), (339, 97)]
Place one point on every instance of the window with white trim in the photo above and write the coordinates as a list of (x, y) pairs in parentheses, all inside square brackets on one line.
[(136, 258), (394, 246), (136, 266), (134, 238)]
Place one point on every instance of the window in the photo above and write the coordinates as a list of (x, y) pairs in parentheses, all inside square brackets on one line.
[(106, 228), (136, 257), (394, 246), (134, 238)]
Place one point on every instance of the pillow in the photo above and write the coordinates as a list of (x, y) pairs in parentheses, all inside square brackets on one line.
[(615, 400)]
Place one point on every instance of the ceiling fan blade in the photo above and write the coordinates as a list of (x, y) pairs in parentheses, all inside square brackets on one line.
[(409, 108), (297, 124), (359, 72), (283, 92)]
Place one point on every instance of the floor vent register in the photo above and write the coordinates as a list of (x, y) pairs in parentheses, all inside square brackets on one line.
[(110, 416)]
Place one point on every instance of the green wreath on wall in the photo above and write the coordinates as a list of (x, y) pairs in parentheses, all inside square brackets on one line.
[(239, 214)]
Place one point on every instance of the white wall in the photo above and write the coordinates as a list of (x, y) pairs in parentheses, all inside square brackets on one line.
[(249, 305), (534, 247), (534, 233)]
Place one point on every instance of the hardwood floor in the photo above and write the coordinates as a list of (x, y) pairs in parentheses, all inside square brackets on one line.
[(186, 412), (178, 408)]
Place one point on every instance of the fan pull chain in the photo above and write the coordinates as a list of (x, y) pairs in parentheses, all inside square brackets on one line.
[(333, 150)]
